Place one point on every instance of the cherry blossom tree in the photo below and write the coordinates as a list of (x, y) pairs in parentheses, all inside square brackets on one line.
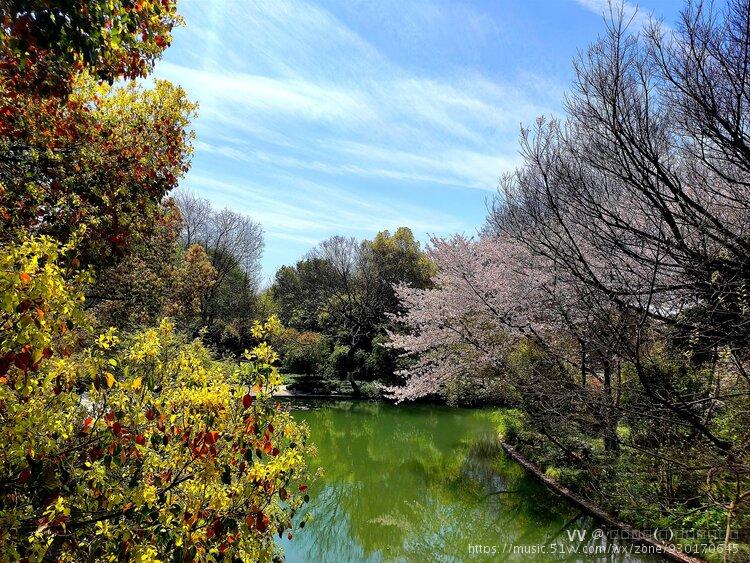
[(616, 260)]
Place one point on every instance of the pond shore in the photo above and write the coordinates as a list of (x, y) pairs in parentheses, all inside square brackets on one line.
[(284, 391), (607, 519)]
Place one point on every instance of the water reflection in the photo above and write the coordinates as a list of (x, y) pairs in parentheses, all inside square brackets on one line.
[(422, 483)]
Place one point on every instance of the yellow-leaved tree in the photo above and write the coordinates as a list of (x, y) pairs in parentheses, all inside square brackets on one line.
[(141, 447), (116, 447)]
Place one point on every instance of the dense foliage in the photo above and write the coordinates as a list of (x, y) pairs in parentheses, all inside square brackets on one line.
[(67, 155), (132, 444), (607, 297), (138, 446), (158, 278), (339, 300)]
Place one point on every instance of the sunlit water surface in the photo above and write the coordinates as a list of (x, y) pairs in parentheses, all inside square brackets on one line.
[(426, 483)]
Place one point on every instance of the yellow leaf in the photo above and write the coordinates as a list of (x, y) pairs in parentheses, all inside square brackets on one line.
[(110, 379), (137, 382)]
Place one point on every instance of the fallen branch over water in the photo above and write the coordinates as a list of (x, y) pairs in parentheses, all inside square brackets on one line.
[(611, 522)]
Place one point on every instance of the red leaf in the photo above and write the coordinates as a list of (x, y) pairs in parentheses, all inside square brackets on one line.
[(140, 440), (5, 362), (23, 360), (302, 488), (24, 475), (247, 400), (211, 437)]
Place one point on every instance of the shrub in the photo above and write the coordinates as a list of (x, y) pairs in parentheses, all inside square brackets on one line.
[(371, 389), (380, 361), (510, 423), (164, 453), (302, 352), (338, 363)]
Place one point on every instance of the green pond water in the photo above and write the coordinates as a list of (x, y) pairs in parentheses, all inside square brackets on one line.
[(427, 483)]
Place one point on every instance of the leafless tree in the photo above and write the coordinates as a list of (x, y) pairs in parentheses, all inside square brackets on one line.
[(234, 244), (622, 240), (640, 198), (231, 238)]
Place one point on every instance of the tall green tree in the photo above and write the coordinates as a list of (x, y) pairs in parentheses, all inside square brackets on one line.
[(344, 289), (398, 259)]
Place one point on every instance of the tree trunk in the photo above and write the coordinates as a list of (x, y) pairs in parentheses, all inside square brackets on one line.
[(583, 365), (728, 534), (611, 443), (350, 372), (355, 388)]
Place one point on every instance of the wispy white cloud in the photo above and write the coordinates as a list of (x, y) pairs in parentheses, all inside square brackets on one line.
[(302, 210), (423, 130), (632, 13), (297, 111), (257, 95), (454, 167), (291, 69)]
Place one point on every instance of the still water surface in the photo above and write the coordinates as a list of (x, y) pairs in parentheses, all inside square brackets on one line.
[(425, 483)]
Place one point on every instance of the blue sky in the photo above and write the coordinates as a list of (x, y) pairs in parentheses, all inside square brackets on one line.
[(351, 116)]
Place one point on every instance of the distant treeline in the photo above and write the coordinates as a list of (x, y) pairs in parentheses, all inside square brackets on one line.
[(200, 266)]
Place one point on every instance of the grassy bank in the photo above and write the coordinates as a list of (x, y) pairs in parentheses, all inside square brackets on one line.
[(626, 489)]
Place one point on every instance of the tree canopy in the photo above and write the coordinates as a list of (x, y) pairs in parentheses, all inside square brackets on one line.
[(344, 290), (67, 156), (133, 444)]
